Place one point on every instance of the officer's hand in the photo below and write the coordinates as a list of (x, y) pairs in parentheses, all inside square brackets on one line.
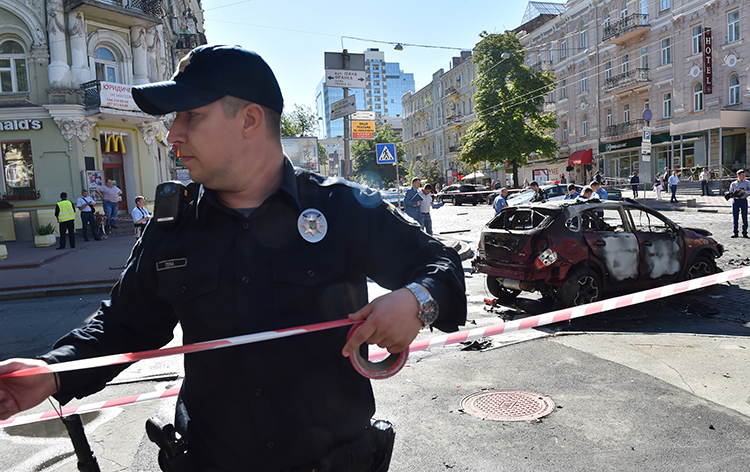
[(391, 322), (21, 393)]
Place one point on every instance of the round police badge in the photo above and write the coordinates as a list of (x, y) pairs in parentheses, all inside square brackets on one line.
[(312, 225)]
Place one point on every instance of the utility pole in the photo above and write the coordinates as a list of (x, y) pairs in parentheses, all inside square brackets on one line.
[(347, 173)]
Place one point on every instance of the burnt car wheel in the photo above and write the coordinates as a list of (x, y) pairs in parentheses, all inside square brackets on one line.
[(701, 267), (503, 295), (581, 287), (457, 201)]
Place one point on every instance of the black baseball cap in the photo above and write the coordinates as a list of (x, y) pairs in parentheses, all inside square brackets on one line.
[(209, 73)]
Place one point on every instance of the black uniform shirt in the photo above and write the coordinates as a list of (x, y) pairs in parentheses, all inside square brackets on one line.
[(282, 403)]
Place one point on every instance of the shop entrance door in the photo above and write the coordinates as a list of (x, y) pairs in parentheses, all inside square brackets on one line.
[(117, 174)]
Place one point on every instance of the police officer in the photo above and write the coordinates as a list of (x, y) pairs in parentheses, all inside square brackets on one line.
[(264, 246), (65, 213)]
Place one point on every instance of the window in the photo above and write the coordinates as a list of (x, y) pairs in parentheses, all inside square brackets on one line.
[(734, 89), (13, 76), (646, 104), (625, 61), (106, 65), (552, 97), (551, 54), (609, 117), (605, 15), (733, 26), (584, 82), (698, 97), (624, 9), (563, 48), (644, 12), (539, 56), (666, 51), (582, 35), (564, 89), (644, 57), (585, 125), (18, 167), (667, 105), (565, 131), (626, 113), (608, 70), (664, 4), (697, 39)]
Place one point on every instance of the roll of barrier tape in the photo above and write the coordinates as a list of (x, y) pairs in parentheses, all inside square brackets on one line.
[(388, 367)]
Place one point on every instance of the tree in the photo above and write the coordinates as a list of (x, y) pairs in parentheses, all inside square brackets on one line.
[(429, 172), (301, 121), (510, 125), (366, 169)]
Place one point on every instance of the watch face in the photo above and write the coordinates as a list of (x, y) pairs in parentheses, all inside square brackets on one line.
[(429, 311)]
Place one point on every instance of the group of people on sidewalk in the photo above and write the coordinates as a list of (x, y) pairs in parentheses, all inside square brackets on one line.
[(65, 213)]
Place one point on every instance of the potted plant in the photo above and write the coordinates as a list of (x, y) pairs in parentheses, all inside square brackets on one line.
[(45, 235)]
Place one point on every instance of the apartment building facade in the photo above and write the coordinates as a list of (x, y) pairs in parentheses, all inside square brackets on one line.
[(438, 115), (68, 119), (685, 61)]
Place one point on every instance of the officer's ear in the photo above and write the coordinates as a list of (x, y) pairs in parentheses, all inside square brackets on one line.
[(254, 118)]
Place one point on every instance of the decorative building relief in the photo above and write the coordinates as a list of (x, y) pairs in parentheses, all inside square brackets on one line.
[(72, 128), (78, 28)]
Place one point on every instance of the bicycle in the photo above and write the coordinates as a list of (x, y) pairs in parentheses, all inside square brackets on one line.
[(104, 226)]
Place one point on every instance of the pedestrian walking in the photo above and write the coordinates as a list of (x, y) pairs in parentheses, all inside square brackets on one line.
[(673, 181), (704, 177), (87, 206), (65, 213), (110, 200), (658, 186), (262, 246), (425, 207), (739, 189), (635, 181), (413, 200)]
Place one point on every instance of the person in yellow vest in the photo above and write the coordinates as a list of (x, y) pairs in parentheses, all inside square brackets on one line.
[(65, 213)]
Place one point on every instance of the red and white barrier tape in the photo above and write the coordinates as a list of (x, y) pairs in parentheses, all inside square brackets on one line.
[(375, 354)]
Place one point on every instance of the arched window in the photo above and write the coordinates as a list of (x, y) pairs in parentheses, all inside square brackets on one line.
[(106, 65), (585, 125), (624, 9), (698, 97), (734, 89), (582, 35), (13, 77), (605, 15)]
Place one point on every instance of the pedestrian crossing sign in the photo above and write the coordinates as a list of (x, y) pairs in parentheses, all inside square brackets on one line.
[(385, 153)]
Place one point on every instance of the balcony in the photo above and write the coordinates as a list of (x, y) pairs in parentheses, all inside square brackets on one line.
[(418, 134), (624, 128), (111, 101), (631, 26), (539, 66), (450, 91), (124, 13), (187, 42), (453, 120), (454, 149), (626, 80)]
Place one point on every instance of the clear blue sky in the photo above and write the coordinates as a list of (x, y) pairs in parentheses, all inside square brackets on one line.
[(292, 35)]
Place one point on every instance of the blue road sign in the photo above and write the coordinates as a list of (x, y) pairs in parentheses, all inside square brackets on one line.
[(386, 153)]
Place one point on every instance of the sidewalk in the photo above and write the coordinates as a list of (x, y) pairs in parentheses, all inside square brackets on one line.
[(712, 204), (91, 267)]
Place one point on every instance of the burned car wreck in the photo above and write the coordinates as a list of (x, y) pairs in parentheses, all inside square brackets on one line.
[(576, 252)]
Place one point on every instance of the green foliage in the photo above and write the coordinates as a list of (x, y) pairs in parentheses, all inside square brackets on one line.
[(510, 124), (366, 169), (299, 122), (44, 230), (429, 172)]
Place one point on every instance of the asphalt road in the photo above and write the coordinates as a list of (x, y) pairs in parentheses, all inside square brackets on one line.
[(659, 386)]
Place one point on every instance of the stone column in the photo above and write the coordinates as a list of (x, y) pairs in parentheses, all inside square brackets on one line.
[(80, 70), (58, 70), (140, 55)]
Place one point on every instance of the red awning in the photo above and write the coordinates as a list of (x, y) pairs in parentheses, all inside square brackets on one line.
[(580, 157)]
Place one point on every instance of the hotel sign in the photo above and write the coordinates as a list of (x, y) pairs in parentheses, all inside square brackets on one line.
[(708, 64)]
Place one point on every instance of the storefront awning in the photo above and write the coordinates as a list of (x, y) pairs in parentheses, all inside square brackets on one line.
[(580, 157)]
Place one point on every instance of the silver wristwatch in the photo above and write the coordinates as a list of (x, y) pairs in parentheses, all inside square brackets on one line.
[(428, 307)]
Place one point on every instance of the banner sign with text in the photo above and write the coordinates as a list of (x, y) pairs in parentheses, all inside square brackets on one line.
[(708, 65)]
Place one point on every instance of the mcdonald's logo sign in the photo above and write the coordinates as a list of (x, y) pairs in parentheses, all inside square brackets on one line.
[(115, 144)]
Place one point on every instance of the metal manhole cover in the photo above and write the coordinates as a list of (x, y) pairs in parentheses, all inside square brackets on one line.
[(508, 405)]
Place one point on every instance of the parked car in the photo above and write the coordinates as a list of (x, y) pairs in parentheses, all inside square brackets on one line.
[(455, 194), (576, 252), (391, 196)]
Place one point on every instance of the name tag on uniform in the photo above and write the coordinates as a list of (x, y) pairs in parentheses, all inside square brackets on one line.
[(171, 264)]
